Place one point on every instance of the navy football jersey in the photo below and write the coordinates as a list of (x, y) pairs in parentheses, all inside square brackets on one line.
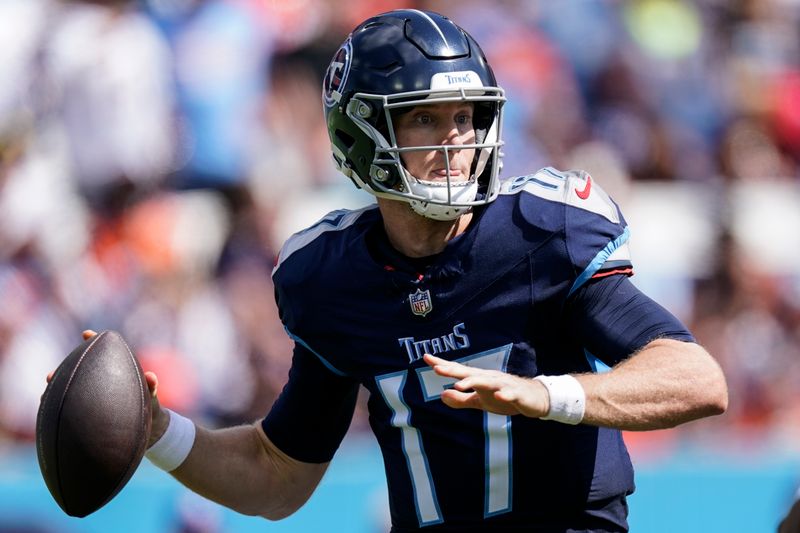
[(536, 285)]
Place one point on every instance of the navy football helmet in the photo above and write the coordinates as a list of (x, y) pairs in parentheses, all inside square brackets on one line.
[(389, 64)]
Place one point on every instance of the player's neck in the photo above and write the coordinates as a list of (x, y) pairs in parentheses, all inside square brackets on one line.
[(417, 236)]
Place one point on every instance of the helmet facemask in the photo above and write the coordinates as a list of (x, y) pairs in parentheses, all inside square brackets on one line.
[(399, 60), (389, 178)]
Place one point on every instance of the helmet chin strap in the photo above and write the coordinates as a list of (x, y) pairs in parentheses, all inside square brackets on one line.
[(437, 211), (461, 193)]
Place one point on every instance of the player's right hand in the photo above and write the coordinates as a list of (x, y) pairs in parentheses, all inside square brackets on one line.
[(160, 418)]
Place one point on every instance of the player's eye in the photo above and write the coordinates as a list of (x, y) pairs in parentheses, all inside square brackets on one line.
[(464, 118), (423, 119)]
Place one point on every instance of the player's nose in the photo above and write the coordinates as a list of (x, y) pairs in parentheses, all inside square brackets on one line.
[(453, 135)]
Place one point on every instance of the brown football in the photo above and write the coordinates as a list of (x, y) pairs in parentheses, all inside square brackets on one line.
[(93, 424)]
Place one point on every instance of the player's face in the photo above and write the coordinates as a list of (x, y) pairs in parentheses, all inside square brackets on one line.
[(437, 124)]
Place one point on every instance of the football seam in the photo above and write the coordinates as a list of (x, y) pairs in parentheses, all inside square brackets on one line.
[(61, 407), (125, 474)]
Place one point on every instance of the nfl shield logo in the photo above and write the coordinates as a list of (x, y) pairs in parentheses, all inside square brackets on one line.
[(420, 302)]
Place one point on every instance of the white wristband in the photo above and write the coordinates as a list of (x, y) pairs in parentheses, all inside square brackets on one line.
[(567, 398), (174, 445)]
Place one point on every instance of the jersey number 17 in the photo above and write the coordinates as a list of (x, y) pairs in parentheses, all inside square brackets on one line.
[(496, 428)]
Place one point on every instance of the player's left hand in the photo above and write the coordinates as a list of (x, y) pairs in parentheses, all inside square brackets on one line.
[(491, 390)]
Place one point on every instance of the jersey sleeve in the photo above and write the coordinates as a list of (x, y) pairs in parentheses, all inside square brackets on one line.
[(612, 319), (595, 231), (313, 412)]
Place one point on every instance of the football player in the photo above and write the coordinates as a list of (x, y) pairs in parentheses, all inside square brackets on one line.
[(493, 323)]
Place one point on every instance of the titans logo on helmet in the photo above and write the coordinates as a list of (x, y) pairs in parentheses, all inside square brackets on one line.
[(336, 76)]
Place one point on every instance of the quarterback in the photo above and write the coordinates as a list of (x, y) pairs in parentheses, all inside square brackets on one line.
[(493, 323)]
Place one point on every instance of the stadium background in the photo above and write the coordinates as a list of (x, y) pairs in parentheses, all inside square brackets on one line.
[(154, 155)]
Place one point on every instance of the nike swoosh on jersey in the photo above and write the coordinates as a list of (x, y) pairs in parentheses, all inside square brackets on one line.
[(584, 194)]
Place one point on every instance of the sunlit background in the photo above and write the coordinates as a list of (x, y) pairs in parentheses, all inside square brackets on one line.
[(154, 156)]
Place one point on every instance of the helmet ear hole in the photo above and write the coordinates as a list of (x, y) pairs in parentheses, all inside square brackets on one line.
[(345, 138)]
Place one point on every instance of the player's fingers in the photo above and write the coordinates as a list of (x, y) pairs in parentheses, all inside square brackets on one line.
[(49, 379), (444, 365), (461, 400), (473, 383), (88, 334), (152, 383), (481, 380), (452, 370), (433, 360)]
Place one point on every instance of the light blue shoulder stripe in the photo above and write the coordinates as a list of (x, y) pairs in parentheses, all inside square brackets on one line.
[(599, 259), (598, 366), (305, 345)]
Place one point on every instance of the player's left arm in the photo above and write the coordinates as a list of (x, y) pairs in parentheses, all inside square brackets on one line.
[(660, 376), (665, 382)]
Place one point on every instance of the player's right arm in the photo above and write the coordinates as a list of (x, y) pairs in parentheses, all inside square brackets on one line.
[(245, 470), (272, 467), (242, 469)]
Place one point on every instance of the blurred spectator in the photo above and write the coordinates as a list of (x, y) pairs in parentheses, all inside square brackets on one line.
[(104, 82), (221, 53)]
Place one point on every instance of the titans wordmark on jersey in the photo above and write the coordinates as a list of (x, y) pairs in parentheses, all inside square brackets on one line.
[(498, 297)]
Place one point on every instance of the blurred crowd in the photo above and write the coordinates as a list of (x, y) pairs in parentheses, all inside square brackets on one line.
[(154, 155)]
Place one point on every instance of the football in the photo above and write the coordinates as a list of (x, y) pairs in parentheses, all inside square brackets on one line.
[(93, 424)]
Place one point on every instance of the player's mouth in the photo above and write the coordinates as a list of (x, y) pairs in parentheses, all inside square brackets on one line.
[(441, 174)]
